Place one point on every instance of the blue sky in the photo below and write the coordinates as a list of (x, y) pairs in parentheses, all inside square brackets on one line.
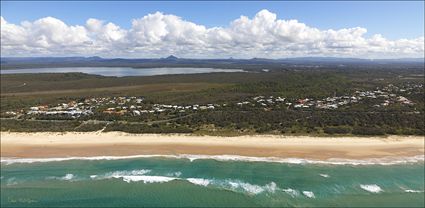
[(394, 20)]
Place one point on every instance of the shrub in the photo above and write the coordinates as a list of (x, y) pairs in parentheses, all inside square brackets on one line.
[(358, 130), (337, 130)]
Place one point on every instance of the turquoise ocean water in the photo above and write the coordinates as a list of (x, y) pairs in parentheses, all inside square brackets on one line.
[(176, 182)]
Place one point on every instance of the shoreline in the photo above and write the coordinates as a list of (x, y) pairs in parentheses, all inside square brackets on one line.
[(119, 144)]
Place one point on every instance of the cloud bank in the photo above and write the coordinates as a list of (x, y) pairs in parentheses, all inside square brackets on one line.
[(159, 35)]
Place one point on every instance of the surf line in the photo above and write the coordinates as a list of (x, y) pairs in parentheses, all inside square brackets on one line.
[(332, 161)]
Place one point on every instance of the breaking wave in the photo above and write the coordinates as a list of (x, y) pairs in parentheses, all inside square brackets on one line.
[(134, 176), (309, 194), (228, 184), (66, 177), (120, 173), (146, 179), (292, 192), (11, 181), (236, 185), (413, 191), (126, 173), (199, 181), (247, 187), (332, 161), (372, 188), (324, 175)]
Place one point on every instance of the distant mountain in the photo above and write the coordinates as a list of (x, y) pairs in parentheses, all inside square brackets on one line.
[(174, 58), (171, 57)]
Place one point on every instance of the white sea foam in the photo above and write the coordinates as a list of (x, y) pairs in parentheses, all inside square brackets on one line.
[(247, 187), (147, 179), (11, 181), (120, 173), (67, 177), (324, 175), (139, 175), (199, 181), (332, 161), (373, 188), (11, 160), (271, 187), (309, 194), (130, 172), (250, 188), (134, 176), (292, 192), (413, 191), (236, 185)]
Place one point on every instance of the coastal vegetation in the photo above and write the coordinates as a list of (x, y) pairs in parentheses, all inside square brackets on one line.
[(325, 101)]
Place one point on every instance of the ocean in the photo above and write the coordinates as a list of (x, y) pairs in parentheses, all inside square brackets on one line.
[(191, 181)]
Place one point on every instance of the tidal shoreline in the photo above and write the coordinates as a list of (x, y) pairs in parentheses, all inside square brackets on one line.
[(93, 144)]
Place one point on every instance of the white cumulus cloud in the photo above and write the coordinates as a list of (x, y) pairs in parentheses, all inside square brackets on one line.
[(158, 35)]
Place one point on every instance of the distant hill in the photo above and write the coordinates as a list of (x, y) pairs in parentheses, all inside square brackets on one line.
[(351, 60), (174, 61)]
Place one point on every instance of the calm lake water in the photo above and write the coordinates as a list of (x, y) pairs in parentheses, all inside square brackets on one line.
[(119, 71)]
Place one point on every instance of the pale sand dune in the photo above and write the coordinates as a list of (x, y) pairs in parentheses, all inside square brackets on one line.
[(42, 145)]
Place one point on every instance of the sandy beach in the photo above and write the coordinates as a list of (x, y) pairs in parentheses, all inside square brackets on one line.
[(45, 145)]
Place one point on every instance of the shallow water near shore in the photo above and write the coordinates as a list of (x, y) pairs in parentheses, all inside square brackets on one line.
[(159, 181)]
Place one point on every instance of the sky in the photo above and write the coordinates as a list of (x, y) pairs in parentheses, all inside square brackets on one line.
[(219, 29)]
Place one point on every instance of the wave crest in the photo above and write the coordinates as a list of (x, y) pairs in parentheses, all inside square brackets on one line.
[(66, 177), (309, 194), (413, 191), (372, 188), (199, 181), (332, 161), (147, 179)]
